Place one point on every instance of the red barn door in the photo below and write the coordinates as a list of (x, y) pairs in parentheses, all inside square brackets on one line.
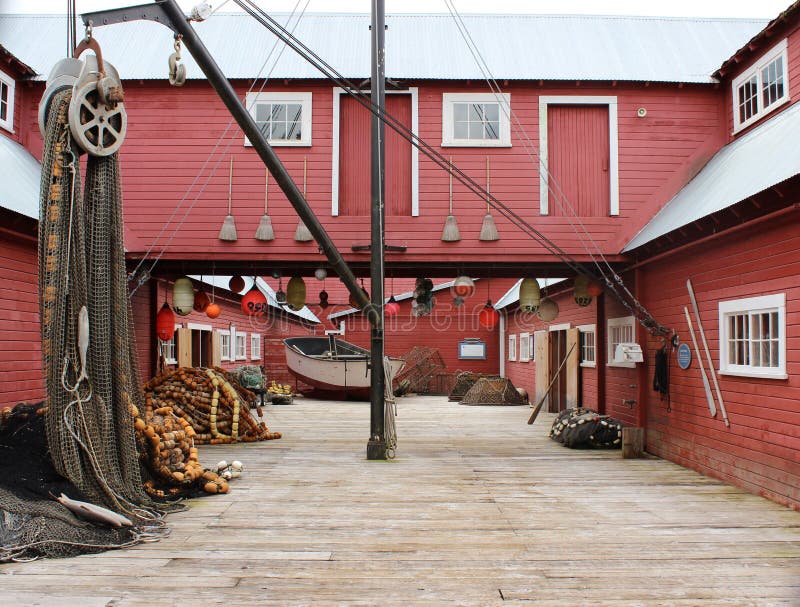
[(354, 158), (578, 159)]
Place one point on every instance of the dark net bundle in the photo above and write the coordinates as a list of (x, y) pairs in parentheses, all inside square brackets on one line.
[(93, 392), (585, 428), (497, 391)]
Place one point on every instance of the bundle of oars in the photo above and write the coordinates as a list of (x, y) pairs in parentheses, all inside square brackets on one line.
[(215, 406)]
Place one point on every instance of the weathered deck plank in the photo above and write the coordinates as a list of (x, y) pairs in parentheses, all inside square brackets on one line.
[(478, 509)]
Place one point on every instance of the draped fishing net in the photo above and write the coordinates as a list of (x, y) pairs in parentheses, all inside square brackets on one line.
[(92, 397), (585, 428)]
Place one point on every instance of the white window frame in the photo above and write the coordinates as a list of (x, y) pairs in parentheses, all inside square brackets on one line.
[(8, 81), (613, 146), (753, 305), (225, 344), (336, 135), (255, 346), (524, 347), (512, 348), (236, 341), (612, 325), (588, 330), (304, 99), (170, 346), (776, 52), (503, 100)]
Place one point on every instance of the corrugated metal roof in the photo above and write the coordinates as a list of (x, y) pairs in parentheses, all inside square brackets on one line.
[(760, 159), (518, 47), (20, 174), (221, 282)]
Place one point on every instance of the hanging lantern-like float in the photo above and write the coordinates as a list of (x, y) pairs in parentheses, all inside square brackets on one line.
[(213, 310), (488, 316), (296, 293), (530, 295), (165, 323), (236, 284), (254, 303), (463, 287), (391, 308), (548, 310), (183, 296)]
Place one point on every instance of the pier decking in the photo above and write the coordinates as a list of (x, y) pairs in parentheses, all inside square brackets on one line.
[(478, 509)]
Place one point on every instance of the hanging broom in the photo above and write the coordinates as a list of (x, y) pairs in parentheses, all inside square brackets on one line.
[(264, 230), (450, 232), (488, 229), (301, 234), (228, 230)]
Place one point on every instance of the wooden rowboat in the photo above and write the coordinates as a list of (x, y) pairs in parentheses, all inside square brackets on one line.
[(332, 365)]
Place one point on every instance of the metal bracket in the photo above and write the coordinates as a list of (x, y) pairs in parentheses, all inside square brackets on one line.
[(152, 11)]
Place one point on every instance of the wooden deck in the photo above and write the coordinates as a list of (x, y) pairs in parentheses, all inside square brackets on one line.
[(478, 509)]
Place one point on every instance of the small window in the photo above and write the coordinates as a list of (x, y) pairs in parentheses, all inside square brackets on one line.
[(168, 348), (6, 102), (532, 348), (255, 346), (476, 120), (512, 347), (620, 330), (762, 88), (753, 336), (588, 345), (524, 347), (283, 118), (241, 346), (225, 345)]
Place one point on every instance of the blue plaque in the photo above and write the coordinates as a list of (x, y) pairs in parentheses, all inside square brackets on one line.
[(684, 356)]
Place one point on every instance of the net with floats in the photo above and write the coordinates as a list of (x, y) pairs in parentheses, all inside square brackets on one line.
[(91, 379), (584, 428)]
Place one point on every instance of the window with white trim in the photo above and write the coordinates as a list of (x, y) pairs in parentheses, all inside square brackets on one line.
[(512, 347), (255, 346), (224, 345), (532, 348), (6, 102), (240, 345), (620, 330), (168, 348), (283, 118), (476, 120), (753, 336), (762, 88), (588, 343), (524, 347)]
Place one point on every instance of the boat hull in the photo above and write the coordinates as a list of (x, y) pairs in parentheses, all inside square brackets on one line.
[(344, 371)]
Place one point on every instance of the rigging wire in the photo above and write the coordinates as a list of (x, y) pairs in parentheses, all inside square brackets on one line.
[(401, 129), (144, 276), (553, 186)]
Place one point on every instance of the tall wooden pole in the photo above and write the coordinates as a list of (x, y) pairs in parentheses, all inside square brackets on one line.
[(376, 446)]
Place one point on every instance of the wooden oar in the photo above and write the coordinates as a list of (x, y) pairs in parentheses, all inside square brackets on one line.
[(710, 397), (708, 354), (538, 406)]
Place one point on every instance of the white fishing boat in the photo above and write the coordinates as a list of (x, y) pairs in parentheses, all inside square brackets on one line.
[(332, 365)]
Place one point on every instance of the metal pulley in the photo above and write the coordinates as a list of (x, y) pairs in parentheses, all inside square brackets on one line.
[(177, 71), (97, 118), (64, 75)]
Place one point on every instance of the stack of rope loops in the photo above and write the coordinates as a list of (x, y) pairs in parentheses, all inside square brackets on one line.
[(584, 428), (493, 391), (420, 363), (464, 381), (93, 392), (213, 406)]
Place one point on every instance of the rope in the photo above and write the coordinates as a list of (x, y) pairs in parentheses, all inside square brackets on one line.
[(389, 410)]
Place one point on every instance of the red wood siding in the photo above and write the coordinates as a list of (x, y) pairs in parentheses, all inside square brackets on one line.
[(354, 159), (759, 450), (578, 160), (21, 354), (172, 132)]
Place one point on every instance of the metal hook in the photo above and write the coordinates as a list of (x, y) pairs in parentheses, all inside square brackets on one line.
[(177, 71)]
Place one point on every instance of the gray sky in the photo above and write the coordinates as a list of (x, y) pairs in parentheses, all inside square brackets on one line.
[(766, 9)]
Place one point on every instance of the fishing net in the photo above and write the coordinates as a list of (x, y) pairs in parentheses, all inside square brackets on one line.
[(464, 381), (585, 428), (92, 387), (493, 391)]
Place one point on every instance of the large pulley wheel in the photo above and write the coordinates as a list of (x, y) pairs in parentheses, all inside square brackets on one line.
[(97, 128), (64, 75)]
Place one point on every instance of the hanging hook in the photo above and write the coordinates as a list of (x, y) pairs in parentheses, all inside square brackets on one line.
[(177, 71)]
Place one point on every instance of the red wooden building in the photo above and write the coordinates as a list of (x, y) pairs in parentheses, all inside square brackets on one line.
[(614, 138)]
